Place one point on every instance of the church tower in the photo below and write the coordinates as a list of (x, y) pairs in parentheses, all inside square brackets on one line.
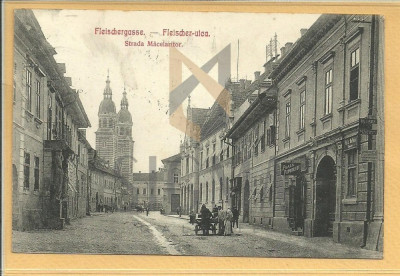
[(124, 154), (105, 135)]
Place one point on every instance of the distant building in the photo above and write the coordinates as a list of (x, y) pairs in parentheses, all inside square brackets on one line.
[(171, 189), (105, 185), (114, 141), (147, 189), (47, 114)]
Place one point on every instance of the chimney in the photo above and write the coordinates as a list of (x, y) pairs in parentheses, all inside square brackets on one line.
[(283, 51), (257, 75), (288, 46), (303, 31), (242, 83), (152, 163)]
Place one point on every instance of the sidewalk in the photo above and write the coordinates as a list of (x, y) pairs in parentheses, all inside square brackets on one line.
[(321, 244)]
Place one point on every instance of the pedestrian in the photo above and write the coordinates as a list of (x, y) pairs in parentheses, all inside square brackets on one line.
[(205, 219), (228, 222), (147, 211), (192, 217), (235, 213), (221, 221)]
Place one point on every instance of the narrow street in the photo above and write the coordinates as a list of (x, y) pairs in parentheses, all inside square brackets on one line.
[(136, 233)]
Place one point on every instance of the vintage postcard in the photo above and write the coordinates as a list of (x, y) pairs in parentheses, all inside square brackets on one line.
[(193, 133)]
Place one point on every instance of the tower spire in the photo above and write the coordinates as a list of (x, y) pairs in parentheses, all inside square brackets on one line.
[(124, 101), (107, 90)]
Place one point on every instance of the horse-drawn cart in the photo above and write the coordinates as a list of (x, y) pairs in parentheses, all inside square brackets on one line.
[(205, 227)]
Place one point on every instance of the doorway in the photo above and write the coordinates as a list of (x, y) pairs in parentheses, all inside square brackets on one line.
[(325, 197), (246, 203)]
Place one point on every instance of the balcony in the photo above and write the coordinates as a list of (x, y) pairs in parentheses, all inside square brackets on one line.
[(59, 136)]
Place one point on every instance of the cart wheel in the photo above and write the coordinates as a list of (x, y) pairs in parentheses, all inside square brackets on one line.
[(196, 230)]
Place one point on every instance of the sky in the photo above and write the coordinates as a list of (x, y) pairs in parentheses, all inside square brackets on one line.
[(144, 70)]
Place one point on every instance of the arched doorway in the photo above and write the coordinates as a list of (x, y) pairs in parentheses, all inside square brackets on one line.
[(325, 197), (246, 205)]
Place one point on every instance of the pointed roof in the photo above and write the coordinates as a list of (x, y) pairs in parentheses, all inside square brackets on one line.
[(124, 116), (107, 105)]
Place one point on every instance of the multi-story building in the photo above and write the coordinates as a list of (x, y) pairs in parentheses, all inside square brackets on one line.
[(147, 189), (105, 184), (46, 116), (322, 172), (171, 189), (327, 104), (207, 157), (83, 174), (189, 182), (252, 136)]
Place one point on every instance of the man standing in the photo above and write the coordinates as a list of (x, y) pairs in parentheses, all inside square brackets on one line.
[(221, 221), (235, 212)]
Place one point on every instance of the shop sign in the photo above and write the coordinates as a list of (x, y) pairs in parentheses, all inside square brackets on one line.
[(367, 126), (351, 142), (290, 168), (368, 156)]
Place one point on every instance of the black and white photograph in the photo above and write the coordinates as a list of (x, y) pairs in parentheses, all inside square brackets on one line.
[(214, 134)]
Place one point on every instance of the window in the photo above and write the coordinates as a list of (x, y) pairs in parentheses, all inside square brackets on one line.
[(213, 191), (137, 191), (354, 74), (351, 173), (29, 90), (227, 188), (176, 178), (207, 163), (256, 132), (214, 146), (206, 191), (27, 161), (221, 156), (287, 120), (201, 160), (302, 108), (214, 160), (201, 192), (262, 139), (270, 194), (36, 174), (221, 188), (328, 92), (144, 191), (187, 165), (227, 151), (38, 99)]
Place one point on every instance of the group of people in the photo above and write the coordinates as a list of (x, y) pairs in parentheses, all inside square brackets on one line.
[(226, 219)]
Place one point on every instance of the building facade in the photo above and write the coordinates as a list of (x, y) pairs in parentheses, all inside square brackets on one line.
[(105, 185), (147, 189), (171, 189), (46, 117), (322, 172)]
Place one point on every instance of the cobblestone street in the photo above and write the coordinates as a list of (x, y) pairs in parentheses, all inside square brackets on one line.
[(136, 233)]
